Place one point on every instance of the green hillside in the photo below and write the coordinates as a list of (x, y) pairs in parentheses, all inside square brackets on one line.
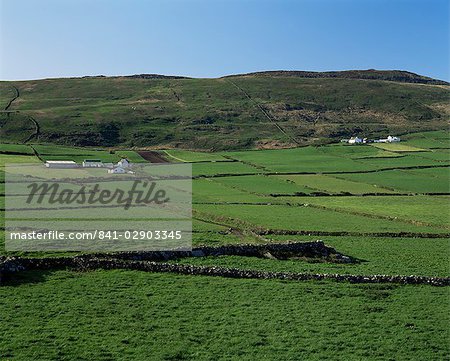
[(259, 110)]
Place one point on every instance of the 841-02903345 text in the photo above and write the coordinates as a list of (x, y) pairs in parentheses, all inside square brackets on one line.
[(100, 235)]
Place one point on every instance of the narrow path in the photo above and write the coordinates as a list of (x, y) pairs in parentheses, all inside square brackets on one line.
[(264, 111)]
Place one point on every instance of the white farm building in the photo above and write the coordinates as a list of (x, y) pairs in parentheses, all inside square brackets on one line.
[(122, 166), (125, 163), (355, 140), (389, 139), (92, 163), (61, 164)]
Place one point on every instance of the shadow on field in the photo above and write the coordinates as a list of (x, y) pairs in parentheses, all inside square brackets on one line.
[(25, 277)]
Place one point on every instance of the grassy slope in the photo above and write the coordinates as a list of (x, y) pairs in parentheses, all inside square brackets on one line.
[(215, 114)]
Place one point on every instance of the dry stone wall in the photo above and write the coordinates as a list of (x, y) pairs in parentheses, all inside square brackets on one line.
[(154, 262), (16, 264)]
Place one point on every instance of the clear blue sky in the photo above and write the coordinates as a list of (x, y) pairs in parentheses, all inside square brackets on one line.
[(209, 38)]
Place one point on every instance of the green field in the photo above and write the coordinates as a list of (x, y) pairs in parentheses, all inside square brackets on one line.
[(306, 217), (308, 159), (222, 168), (10, 158), (16, 149), (180, 155), (420, 209), (132, 315), (52, 152), (260, 184), (397, 147), (213, 190), (332, 184), (439, 155), (432, 140), (388, 211), (376, 255), (432, 180)]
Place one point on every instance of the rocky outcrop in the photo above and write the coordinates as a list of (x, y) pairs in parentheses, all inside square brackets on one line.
[(370, 74), (316, 250), (154, 76)]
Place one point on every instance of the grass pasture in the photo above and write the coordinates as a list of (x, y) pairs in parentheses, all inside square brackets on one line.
[(308, 159), (211, 190), (390, 256), (331, 159), (131, 155), (430, 140), (130, 314), (298, 217), (16, 149), (188, 156), (332, 184), (439, 155), (13, 158), (433, 210), (264, 185), (222, 168), (397, 147), (133, 315), (410, 160), (414, 181), (52, 152)]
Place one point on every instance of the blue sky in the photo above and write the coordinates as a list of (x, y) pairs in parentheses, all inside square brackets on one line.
[(210, 38)]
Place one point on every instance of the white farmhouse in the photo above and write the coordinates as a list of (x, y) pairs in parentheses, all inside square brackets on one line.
[(355, 140), (393, 139), (124, 163), (92, 163), (61, 164), (389, 139)]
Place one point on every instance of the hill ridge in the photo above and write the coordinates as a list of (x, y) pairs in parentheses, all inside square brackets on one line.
[(241, 112), (403, 76)]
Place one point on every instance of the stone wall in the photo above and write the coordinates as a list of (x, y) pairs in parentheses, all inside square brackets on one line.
[(131, 261)]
